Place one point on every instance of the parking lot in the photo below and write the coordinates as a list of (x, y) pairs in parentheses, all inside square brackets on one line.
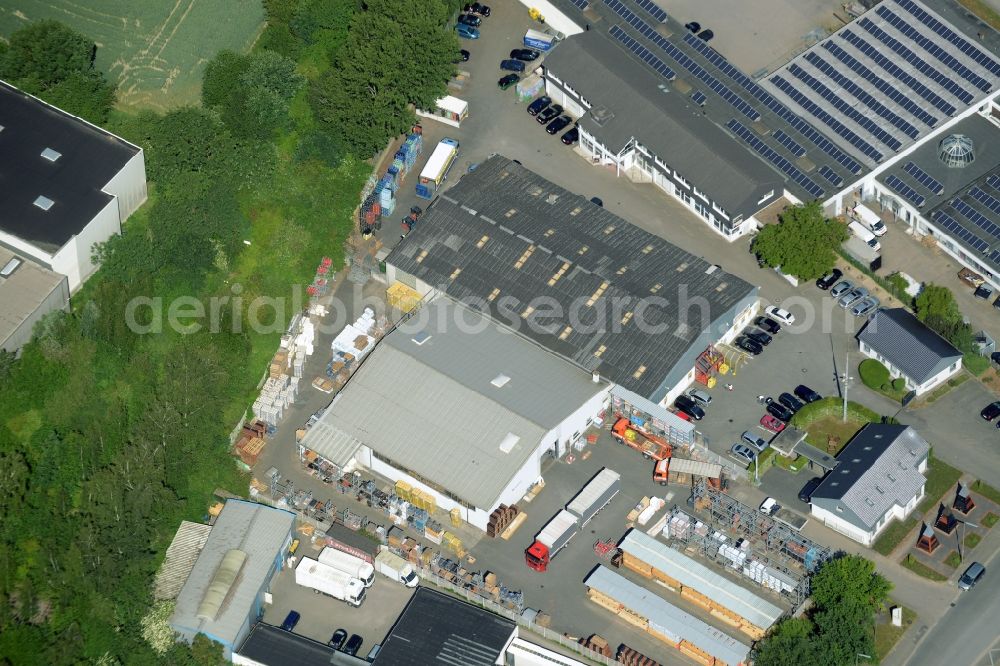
[(322, 615)]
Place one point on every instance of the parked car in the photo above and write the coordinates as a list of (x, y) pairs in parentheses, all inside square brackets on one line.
[(353, 645), (466, 32), (700, 396), (477, 8), (508, 81), (865, 306), (512, 65), (527, 55), (470, 20), (558, 125), (841, 288), (754, 440), (783, 316), (996, 303), (767, 324), (538, 105), (807, 491), (571, 136), (991, 411), (706, 35), (744, 452), (971, 576), (463, 56), (693, 26), (689, 407), (771, 423), (597, 201), (829, 279), (790, 401), (769, 506), (337, 641), (995, 357), (749, 346), (983, 292), (852, 297), (291, 620), (780, 412), (759, 336), (878, 228), (373, 652), (806, 394), (549, 113)]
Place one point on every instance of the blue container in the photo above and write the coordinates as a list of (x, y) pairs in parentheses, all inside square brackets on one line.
[(388, 207)]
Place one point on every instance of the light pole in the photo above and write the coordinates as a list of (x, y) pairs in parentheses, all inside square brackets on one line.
[(860, 654), (961, 536), (846, 382)]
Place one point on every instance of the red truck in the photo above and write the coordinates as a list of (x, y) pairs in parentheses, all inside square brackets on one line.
[(648, 444)]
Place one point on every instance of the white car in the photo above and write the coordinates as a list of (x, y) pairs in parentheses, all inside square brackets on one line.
[(783, 316), (769, 506)]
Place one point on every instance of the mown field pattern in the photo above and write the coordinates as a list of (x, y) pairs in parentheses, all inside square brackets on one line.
[(155, 50)]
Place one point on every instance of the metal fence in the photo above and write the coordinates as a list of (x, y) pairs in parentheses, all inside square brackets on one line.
[(489, 605)]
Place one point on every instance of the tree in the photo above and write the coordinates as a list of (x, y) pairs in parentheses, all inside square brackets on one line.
[(802, 244), (850, 579), (380, 74), (936, 307), (791, 643)]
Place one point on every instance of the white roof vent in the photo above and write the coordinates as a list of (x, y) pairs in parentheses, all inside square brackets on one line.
[(10, 267), (51, 155), (711, 269), (500, 381), (44, 202), (509, 442)]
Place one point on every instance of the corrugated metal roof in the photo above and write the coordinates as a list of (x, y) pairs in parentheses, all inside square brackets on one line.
[(699, 467), (440, 415), (23, 292), (876, 471), (329, 441), (901, 339), (697, 576), (259, 531), (181, 555), (667, 616)]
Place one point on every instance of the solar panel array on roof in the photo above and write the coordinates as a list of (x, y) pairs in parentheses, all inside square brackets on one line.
[(653, 10), (905, 191), (698, 97), (644, 54), (924, 178), (831, 176), (951, 225), (951, 36), (977, 218), (788, 142), (774, 158), (987, 200)]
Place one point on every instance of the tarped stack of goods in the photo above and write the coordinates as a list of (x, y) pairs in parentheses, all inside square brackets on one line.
[(735, 556), (529, 87), (359, 338)]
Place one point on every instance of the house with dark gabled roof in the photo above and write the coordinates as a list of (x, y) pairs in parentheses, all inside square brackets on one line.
[(909, 349), (879, 477)]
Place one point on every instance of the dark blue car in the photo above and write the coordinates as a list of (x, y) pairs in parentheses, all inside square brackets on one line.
[(291, 620), (512, 65), (539, 104)]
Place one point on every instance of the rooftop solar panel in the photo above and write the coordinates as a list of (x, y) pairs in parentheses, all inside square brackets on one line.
[(582, 4), (698, 97), (831, 176), (794, 147), (772, 156), (950, 35), (924, 178), (977, 218), (653, 10), (951, 225), (644, 54), (905, 191), (987, 200), (994, 182)]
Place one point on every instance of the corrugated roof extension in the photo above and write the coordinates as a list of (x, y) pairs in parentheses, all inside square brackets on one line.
[(876, 471), (181, 555), (901, 339), (666, 618), (697, 576), (568, 274)]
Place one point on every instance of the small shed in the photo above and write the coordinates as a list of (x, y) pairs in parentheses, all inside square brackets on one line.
[(448, 110)]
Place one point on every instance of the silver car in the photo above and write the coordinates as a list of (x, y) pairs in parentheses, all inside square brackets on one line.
[(865, 307), (841, 288), (701, 396), (754, 440), (744, 452), (852, 297)]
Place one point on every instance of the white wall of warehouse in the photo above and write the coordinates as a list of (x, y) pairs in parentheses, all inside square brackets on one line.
[(129, 186), (526, 653), (553, 17), (74, 258)]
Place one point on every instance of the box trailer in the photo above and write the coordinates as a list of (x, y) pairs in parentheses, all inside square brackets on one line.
[(595, 495), (353, 565), (554, 536), (396, 568), (324, 579), (357, 544), (535, 39)]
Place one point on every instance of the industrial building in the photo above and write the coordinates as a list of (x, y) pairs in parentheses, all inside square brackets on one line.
[(880, 476), (639, 606), (467, 411), (909, 349), (28, 292), (823, 126), (64, 185), (223, 596), (573, 278), (697, 583), (272, 646)]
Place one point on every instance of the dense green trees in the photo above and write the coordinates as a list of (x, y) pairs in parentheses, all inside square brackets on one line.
[(846, 594), (251, 92), (394, 59), (936, 307), (56, 63), (802, 244)]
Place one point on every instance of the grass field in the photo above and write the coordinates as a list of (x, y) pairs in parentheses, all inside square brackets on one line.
[(155, 50)]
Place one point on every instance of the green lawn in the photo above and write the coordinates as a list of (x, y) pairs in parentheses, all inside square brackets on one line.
[(921, 569), (940, 391), (155, 50), (990, 520), (887, 635), (953, 560), (972, 540), (893, 535), (822, 429), (986, 491)]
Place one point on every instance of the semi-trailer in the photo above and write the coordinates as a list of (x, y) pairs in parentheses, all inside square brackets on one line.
[(352, 565), (324, 579)]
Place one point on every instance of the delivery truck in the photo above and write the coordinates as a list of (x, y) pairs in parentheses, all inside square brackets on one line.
[(324, 579), (595, 495), (345, 539), (554, 536), (536, 39), (352, 565), (396, 568)]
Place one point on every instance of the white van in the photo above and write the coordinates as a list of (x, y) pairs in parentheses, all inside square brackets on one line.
[(862, 232), (870, 219)]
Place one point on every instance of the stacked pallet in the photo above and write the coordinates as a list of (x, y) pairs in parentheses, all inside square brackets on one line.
[(357, 338), (500, 520), (275, 397), (630, 657), (597, 644)]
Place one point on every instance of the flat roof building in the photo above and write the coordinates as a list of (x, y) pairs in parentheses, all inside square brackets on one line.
[(28, 292), (223, 596), (64, 184), (466, 410), (574, 278)]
